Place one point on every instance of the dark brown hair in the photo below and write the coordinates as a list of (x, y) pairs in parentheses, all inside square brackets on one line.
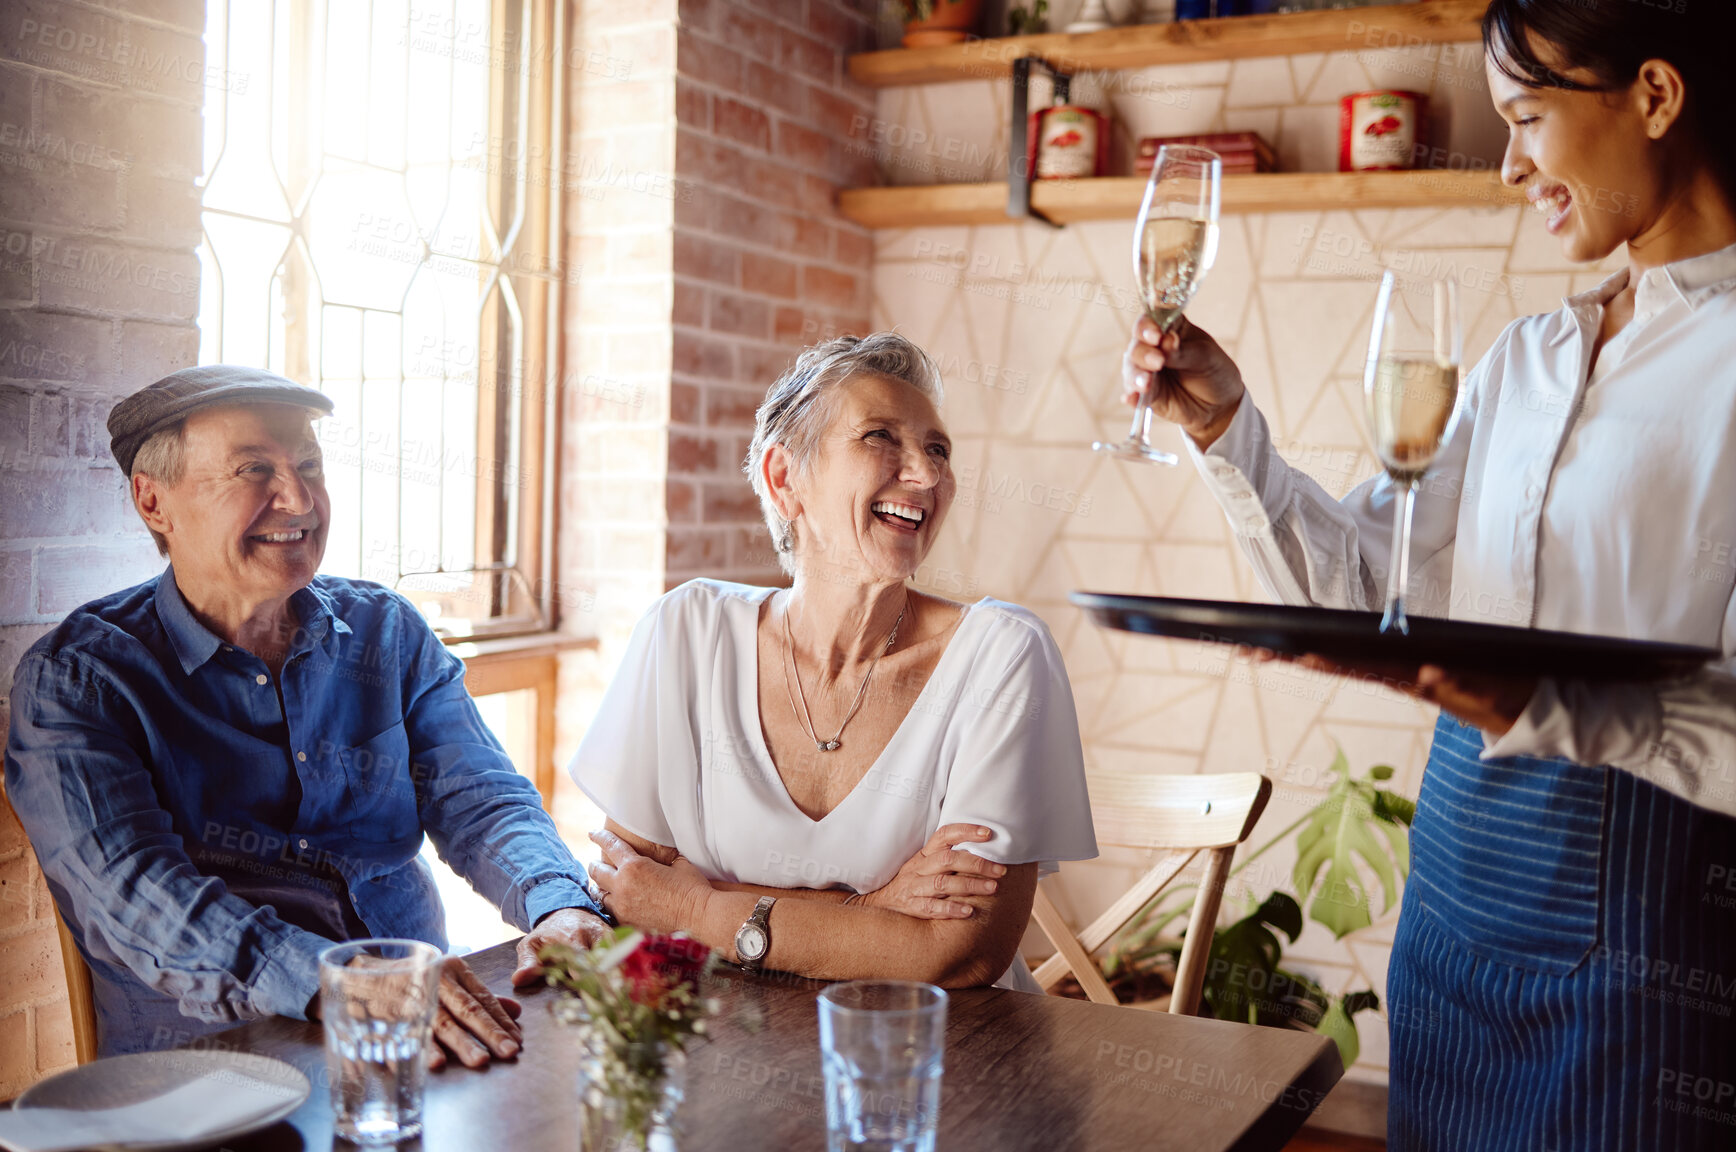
[(1613, 38)]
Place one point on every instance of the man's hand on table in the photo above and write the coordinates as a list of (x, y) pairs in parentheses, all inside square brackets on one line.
[(573, 927), (477, 1026), (473, 1025)]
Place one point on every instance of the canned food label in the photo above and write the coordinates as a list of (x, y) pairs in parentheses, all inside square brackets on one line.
[(1067, 145), (1379, 131)]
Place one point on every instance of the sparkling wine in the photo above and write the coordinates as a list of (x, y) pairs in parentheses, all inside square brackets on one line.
[(1410, 408), (1174, 256)]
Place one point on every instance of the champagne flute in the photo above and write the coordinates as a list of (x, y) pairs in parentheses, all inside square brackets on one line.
[(1174, 244), (1413, 383)]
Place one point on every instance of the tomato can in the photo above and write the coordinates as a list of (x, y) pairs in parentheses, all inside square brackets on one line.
[(1381, 131), (1069, 142)]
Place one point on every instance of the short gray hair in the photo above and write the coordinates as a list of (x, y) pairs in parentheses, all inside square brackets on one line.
[(162, 457), (800, 406)]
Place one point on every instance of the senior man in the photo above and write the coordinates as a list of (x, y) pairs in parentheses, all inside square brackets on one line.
[(227, 768)]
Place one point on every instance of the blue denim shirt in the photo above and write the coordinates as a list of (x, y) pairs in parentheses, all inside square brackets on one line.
[(207, 829)]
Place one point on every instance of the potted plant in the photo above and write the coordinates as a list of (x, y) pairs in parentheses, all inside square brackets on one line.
[(1358, 828), (931, 22)]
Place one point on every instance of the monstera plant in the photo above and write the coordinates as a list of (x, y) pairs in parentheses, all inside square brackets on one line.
[(1357, 830)]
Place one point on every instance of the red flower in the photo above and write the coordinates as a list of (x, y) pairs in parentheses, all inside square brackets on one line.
[(662, 964)]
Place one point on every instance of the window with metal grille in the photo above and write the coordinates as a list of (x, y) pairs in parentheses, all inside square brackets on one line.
[(382, 221)]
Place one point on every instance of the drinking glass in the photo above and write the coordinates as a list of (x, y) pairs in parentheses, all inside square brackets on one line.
[(377, 1001), (1174, 243), (883, 1044), (1413, 383)]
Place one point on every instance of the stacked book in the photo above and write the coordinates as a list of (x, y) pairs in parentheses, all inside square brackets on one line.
[(1243, 152)]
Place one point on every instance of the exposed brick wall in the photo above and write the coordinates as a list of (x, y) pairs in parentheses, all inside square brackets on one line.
[(99, 219), (763, 262), (619, 198)]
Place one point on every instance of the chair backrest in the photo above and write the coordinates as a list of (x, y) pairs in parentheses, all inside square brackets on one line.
[(1186, 815), (78, 993)]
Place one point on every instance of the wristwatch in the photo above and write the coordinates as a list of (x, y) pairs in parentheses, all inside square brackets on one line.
[(754, 938)]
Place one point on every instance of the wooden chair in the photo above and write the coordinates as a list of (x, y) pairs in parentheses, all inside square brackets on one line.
[(1185, 814), (78, 993)]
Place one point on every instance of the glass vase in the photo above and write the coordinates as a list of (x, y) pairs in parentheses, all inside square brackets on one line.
[(629, 1091)]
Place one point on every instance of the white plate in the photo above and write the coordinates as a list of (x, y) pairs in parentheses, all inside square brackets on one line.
[(119, 1081)]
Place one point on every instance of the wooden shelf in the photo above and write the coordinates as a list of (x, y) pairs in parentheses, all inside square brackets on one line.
[(1183, 42), (1117, 197)]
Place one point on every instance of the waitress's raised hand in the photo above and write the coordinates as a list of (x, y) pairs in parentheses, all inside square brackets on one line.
[(1196, 384)]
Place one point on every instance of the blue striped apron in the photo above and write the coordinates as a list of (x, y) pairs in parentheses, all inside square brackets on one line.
[(1564, 972)]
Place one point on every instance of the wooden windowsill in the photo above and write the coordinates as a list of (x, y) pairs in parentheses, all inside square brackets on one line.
[(506, 649)]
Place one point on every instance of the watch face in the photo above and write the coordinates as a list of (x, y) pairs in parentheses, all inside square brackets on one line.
[(750, 942)]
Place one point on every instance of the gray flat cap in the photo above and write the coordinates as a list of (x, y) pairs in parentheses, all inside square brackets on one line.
[(180, 394)]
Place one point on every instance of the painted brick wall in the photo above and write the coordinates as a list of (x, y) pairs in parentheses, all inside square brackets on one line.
[(763, 262), (99, 219)]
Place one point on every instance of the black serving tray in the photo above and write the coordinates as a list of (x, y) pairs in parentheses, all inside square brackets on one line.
[(1355, 637)]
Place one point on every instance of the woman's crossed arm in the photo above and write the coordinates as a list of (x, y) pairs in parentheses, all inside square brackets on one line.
[(949, 917)]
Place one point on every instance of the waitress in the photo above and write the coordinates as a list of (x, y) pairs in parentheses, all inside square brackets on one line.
[(1564, 973)]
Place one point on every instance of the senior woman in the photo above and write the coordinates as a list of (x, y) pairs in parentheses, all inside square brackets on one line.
[(787, 774)]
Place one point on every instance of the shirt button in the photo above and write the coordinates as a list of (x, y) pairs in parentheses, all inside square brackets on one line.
[(302, 843), (262, 678), (302, 756)]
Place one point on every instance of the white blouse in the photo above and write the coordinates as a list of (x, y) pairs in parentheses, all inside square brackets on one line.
[(1595, 503), (676, 754)]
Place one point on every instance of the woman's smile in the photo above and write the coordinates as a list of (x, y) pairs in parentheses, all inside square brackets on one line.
[(1554, 201), (898, 516)]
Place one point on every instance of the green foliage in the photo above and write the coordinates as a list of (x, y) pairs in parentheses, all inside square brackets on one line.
[(1357, 825), (1244, 960), (1356, 821), (1022, 20)]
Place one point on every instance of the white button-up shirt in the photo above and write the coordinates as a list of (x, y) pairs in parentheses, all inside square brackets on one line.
[(1599, 502)]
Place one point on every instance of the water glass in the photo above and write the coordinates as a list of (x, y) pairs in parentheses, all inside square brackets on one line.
[(378, 999), (883, 1045)]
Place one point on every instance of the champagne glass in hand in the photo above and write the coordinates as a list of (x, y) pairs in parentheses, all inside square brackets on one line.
[(1414, 385), (1174, 244)]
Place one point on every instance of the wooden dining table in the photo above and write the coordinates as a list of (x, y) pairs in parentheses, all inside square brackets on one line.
[(1022, 1072)]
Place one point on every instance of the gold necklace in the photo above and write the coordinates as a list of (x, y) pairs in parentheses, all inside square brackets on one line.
[(802, 717)]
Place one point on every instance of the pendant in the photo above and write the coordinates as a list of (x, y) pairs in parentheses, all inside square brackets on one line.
[(826, 745)]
